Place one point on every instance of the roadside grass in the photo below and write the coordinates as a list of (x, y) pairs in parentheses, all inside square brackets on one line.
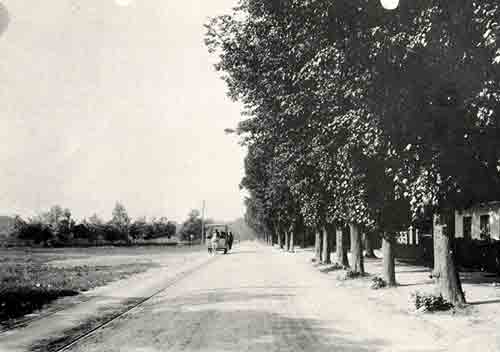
[(28, 281)]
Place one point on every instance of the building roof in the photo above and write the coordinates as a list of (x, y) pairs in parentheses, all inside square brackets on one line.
[(482, 205)]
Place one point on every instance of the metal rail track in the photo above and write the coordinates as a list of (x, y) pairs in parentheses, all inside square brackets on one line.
[(179, 277), (22, 322)]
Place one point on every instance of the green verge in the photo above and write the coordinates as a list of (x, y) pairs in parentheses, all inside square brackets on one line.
[(26, 286)]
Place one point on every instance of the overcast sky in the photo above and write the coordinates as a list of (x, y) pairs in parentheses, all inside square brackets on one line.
[(115, 100)]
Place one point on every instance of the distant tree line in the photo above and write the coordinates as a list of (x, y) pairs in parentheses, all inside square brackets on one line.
[(58, 227)]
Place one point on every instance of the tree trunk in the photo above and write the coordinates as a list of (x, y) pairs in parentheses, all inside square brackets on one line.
[(326, 247), (436, 227), (447, 276), (341, 253), (303, 236), (298, 231), (292, 246), (312, 236), (369, 245), (287, 241), (357, 265), (317, 247), (330, 229), (280, 239), (389, 273)]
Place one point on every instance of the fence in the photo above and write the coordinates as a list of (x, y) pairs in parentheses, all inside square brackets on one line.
[(478, 254), (470, 254)]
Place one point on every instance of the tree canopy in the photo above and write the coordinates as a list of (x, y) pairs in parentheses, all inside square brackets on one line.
[(350, 107)]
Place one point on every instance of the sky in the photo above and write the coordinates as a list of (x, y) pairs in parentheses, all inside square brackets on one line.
[(115, 100)]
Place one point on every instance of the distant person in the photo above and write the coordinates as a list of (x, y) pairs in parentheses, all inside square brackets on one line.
[(230, 240), (213, 242), (209, 243)]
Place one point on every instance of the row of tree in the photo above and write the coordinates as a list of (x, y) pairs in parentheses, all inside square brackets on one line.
[(364, 119), (58, 226)]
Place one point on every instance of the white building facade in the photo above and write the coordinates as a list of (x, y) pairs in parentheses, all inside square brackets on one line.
[(478, 222)]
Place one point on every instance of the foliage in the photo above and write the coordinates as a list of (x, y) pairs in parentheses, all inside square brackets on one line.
[(191, 228), (298, 132), (57, 227), (423, 302), (33, 230), (119, 225), (378, 282), (162, 227)]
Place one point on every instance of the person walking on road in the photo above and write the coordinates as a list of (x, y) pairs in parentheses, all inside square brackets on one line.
[(230, 239), (213, 241)]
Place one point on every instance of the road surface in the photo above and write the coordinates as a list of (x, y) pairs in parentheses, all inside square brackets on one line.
[(253, 299), (256, 298)]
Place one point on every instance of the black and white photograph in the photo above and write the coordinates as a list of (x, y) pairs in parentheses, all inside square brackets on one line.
[(249, 175)]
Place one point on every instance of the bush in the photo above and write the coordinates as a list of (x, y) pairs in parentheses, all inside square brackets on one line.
[(18, 302), (378, 282), (34, 231), (422, 302)]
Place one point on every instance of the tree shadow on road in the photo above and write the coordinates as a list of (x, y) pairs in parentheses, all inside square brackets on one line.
[(224, 320), (236, 252)]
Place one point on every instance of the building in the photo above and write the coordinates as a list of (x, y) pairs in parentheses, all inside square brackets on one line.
[(408, 237), (478, 222)]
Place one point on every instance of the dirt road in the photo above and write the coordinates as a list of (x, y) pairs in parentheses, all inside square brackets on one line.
[(259, 299), (256, 298)]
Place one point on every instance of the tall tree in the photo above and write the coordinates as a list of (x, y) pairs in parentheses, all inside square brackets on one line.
[(120, 221)]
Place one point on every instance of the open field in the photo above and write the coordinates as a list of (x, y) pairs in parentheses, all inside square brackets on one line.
[(31, 278)]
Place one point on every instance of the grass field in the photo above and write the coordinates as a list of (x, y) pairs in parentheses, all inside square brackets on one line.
[(31, 278)]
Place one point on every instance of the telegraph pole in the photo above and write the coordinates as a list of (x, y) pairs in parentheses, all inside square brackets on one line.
[(4, 18), (203, 222)]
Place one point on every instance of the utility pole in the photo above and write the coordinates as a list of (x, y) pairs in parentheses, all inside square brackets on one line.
[(203, 222), (4, 18)]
